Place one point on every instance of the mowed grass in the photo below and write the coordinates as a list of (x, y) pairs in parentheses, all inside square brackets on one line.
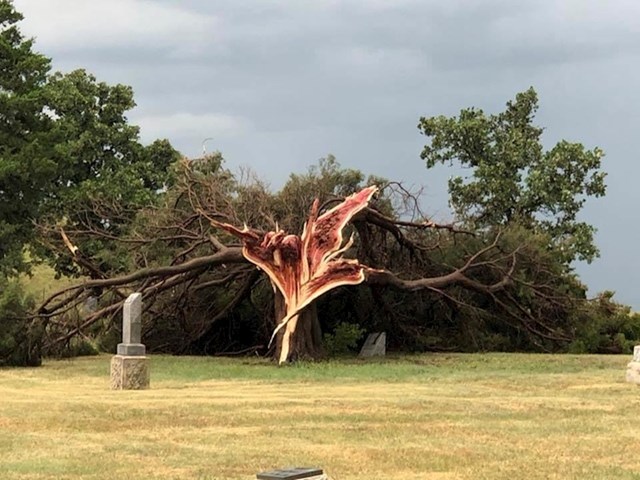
[(484, 416)]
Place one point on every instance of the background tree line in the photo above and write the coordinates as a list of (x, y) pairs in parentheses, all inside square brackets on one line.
[(79, 191)]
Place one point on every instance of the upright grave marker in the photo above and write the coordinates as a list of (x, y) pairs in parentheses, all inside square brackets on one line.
[(130, 367), (132, 327), (633, 367), (375, 345)]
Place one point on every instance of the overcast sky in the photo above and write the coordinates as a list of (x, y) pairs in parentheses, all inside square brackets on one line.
[(279, 84)]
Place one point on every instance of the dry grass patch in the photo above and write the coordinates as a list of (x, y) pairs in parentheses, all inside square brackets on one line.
[(423, 417)]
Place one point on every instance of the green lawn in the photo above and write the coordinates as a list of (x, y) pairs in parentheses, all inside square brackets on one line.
[(493, 416)]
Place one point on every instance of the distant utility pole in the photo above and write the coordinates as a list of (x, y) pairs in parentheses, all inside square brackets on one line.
[(204, 146)]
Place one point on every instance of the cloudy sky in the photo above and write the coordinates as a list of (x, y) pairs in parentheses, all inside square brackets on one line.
[(279, 84)]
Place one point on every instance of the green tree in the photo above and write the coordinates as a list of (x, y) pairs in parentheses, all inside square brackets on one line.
[(512, 179), (103, 175), (20, 336), (23, 175), (326, 181), (68, 158)]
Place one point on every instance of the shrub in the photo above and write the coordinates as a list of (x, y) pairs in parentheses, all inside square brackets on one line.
[(344, 339), (606, 327), (80, 347), (20, 336)]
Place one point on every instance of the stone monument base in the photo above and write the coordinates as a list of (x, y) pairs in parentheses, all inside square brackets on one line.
[(129, 372), (633, 372)]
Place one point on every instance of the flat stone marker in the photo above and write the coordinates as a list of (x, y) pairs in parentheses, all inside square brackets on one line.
[(375, 345), (633, 367), (293, 473), (130, 367)]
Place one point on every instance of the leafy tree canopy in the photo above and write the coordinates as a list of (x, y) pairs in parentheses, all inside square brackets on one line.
[(512, 179), (23, 74), (68, 155)]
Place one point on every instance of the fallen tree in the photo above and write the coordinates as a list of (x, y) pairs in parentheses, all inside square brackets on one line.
[(500, 280), (400, 254)]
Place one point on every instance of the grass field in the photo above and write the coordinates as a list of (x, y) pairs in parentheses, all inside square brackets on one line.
[(493, 416), (43, 282)]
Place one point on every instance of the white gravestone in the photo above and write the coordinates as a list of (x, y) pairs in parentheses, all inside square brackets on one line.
[(129, 367), (633, 367), (132, 327)]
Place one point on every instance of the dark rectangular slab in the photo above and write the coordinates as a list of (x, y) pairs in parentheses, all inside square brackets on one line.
[(289, 473)]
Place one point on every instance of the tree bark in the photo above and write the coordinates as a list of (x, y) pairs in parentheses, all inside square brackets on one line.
[(302, 332)]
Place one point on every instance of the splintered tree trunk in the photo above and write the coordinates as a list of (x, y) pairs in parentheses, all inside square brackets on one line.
[(304, 333), (302, 268)]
